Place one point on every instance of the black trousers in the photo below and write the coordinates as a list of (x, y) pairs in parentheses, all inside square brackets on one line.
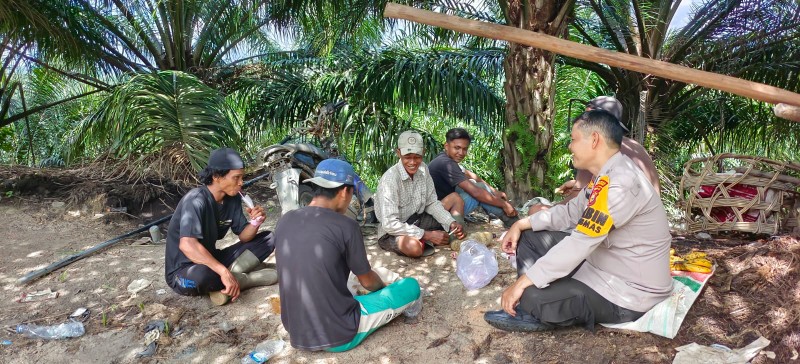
[(566, 301), (199, 279)]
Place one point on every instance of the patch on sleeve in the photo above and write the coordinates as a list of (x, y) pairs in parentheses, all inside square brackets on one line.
[(596, 220)]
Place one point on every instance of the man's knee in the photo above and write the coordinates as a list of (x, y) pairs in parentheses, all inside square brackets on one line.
[(410, 246), (453, 202), (540, 241), (402, 245), (196, 280), (560, 304), (262, 245)]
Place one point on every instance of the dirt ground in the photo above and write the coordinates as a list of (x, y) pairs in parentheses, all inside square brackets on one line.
[(756, 291)]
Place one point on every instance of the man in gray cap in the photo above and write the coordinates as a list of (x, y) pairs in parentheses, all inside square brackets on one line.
[(629, 147), (193, 264), (412, 219)]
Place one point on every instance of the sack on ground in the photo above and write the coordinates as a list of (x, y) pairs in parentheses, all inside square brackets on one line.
[(476, 265), (666, 317)]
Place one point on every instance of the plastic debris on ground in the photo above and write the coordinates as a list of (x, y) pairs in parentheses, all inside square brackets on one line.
[(718, 354), (42, 295), (138, 285), (61, 331), (264, 351), (80, 314), (152, 332), (6, 342)]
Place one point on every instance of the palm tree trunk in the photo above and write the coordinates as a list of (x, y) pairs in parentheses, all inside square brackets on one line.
[(529, 125), (529, 90)]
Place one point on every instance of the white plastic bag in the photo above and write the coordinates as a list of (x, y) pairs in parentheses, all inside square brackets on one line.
[(476, 265)]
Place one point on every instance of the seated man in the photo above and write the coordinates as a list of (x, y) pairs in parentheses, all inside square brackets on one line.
[(613, 267), (450, 178), (193, 264), (411, 219), (628, 147), (317, 247)]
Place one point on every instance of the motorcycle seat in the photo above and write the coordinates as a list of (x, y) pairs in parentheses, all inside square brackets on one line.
[(308, 148)]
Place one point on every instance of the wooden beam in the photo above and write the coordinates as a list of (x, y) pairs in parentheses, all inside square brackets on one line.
[(788, 112), (753, 90)]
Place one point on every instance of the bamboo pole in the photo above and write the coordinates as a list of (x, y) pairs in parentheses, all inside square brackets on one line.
[(753, 90), (787, 112)]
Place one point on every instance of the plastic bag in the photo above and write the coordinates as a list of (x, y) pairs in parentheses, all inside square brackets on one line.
[(476, 265)]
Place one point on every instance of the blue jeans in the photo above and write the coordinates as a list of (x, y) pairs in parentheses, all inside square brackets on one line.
[(470, 203)]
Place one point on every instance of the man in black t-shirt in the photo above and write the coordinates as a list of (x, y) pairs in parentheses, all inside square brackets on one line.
[(449, 177), (193, 264), (316, 248)]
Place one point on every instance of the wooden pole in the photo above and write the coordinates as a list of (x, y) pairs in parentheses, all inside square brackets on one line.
[(787, 112), (753, 90)]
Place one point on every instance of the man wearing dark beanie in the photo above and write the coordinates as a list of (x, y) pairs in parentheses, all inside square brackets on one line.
[(193, 264)]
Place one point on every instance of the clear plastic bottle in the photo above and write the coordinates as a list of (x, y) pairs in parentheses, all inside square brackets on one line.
[(60, 331), (414, 309), (264, 351), (512, 259)]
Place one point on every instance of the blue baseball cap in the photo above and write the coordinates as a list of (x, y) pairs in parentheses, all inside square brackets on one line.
[(332, 173)]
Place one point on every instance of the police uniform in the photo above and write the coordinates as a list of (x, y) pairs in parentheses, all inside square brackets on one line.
[(613, 266)]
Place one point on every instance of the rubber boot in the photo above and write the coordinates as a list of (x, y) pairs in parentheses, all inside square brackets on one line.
[(241, 268), (264, 277), (246, 262)]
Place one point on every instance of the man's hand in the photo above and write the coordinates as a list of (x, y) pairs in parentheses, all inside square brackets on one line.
[(231, 285), (501, 194), (509, 210), (567, 187), (438, 237), (256, 212), (511, 295), (457, 230), (510, 239)]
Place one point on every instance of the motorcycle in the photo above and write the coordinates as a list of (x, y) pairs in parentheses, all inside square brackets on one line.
[(293, 160)]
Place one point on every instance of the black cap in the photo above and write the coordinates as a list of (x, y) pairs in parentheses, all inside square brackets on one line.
[(225, 158)]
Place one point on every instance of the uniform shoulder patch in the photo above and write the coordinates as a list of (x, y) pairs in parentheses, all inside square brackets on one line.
[(596, 220)]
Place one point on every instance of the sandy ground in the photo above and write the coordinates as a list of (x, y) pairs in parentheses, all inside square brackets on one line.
[(450, 328)]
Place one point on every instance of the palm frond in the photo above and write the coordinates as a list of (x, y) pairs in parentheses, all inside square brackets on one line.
[(153, 111)]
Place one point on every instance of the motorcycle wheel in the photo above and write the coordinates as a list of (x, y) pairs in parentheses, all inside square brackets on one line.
[(304, 195)]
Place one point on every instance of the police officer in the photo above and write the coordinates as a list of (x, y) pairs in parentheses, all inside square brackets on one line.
[(613, 267)]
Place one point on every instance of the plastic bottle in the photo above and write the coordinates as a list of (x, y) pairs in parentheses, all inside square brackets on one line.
[(512, 259), (60, 331), (414, 309), (264, 351)]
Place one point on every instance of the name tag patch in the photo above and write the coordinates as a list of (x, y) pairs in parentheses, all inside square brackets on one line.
[(596, 220)]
